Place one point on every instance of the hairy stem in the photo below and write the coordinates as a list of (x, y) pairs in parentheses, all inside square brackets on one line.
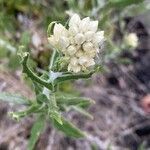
[(73, 77), (32, 75), (52, 60)]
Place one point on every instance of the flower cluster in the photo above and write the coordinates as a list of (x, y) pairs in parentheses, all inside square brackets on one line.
[(131, 40), (79, 43)]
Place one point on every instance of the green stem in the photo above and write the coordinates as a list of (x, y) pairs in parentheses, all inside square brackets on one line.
[(52, 60), (73, 77), (53, 109), (52, 101), (32, 75), (32, 109)]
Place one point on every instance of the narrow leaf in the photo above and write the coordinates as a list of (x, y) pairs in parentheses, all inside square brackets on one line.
[(56, 116), (13, 98), (69, 100), (82, 111), (36, 131), (68, 129)]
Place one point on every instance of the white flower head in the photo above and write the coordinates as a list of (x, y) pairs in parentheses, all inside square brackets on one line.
[(131, 40), (80, 42)]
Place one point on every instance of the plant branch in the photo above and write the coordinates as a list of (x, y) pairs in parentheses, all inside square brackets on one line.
[(73, 77), (31, 109), (32, 75)]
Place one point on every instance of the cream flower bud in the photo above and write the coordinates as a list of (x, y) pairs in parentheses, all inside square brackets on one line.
[(91, 53), (91, 62), (52, 40), (89, 35), (100, 33), (71, 40), (64, 42), (75, 69), (84, 24), (83, 60), (98, 38), (74, 61), (57, 29), (73, 65), (87, 46), (71, 50), (74, 20), (79, 53), (73, 30), (60, 30), (79, 38), (93, 26), (131, 40)]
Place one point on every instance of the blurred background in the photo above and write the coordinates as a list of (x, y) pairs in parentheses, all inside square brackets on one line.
[(121, 92)]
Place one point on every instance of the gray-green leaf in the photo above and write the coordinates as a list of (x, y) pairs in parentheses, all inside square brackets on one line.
[(69, 100), (68, 129), (13, 98), (82, 111), (36, 131)]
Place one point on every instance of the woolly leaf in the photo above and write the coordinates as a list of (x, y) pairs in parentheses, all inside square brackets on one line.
[(36, 131), (68, 129), (82, 111), (13, 98), (70, 100)]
